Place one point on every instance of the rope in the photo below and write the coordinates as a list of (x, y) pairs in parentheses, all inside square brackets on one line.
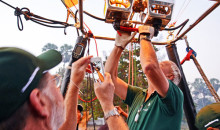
[(209, 85), (129, 65), (93, 120), (8, 4), (132, 65), (135, 67), (87, 101), (35, 18), (19, 20)]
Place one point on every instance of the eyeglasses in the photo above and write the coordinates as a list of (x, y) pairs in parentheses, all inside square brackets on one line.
[(58, 80)]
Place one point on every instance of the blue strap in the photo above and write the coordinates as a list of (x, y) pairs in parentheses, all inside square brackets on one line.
[(194, 53)]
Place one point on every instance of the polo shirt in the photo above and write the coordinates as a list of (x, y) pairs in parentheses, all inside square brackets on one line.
[(156, 113)]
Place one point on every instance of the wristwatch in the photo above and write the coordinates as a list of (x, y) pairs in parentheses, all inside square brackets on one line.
[(145, 37), (113, 112)]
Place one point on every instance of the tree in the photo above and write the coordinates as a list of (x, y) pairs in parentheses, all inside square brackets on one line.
[(49, 46), (200, 92), (66, 51), (215, 83), (87, 85)]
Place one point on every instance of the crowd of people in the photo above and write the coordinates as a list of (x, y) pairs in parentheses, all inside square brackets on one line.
[(30, 98)]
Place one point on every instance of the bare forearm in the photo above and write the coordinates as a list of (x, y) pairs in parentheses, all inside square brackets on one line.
[(147, 53), (151, 68), (117, 123), (71, 101), (111, 65), (114, 122)]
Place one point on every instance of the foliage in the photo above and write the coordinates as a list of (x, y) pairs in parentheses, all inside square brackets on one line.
[(65, 51), (49, 46), (87, 85), (200, 92), (139, 79), (88, 94), (94, 107)]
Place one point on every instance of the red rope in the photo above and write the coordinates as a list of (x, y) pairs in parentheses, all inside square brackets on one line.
[(86, 100)]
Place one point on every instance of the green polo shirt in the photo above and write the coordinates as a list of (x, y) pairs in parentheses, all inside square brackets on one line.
[(156, 113)]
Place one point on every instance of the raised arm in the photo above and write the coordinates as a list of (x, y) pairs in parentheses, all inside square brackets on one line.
[(111, 65), (71, 99), (105, 94), (149, 62)]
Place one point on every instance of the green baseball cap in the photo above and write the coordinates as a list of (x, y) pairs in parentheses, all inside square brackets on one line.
[(20, 73), (208, 116)]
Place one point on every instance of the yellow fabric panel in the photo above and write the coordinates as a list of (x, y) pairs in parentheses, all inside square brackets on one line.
[(70, 3)]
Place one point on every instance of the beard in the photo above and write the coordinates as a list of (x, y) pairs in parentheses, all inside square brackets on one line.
[(176, 81), (57, 116), (57, 111)]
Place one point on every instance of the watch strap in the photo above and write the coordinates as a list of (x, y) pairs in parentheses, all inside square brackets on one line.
[(113, 112), (145, 37)]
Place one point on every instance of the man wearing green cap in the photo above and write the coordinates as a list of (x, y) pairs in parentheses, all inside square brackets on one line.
[(208, 118), (29, 96)]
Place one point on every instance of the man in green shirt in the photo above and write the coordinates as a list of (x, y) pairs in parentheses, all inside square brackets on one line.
[(160, 106)]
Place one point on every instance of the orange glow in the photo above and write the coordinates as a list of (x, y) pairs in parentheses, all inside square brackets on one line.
[(118, 3)]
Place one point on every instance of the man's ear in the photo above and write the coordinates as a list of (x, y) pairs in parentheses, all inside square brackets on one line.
[(39, 103), (172, 77)]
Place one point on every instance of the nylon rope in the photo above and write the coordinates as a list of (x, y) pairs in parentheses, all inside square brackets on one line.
[(209, 85), (129, 64), (132, 65)]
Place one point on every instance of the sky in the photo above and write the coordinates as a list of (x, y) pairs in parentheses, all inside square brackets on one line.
[(204, 38)]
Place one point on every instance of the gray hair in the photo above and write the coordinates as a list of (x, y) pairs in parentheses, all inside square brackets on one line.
[(176, 73), (175, 69)]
